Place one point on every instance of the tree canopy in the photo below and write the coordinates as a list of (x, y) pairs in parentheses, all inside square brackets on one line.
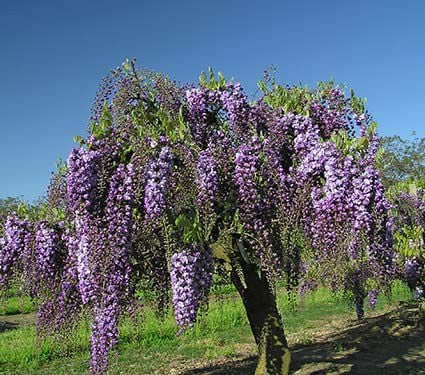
[(402, 159)]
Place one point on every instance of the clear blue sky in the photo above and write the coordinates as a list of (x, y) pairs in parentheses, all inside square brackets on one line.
[(54, 53)]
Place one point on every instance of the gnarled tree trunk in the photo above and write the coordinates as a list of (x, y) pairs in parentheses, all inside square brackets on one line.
[(265, 321)]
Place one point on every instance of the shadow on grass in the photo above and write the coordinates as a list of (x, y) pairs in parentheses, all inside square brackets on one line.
[(7, 326), (12, 322), (387, 344)]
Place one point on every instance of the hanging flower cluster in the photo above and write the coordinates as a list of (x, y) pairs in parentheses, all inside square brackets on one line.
[(207, 180), (157, 176), (46, 248), (82, 175), (413, 270), (119, 218), (191, 279), (13, 248)]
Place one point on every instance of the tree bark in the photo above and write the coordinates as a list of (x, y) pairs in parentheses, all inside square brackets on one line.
[(265, 321)]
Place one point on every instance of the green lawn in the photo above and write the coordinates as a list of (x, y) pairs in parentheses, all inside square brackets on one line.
[(153, 345)]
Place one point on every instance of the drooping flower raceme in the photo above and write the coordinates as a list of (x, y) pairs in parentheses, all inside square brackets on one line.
[(81, 189), (46, 251), (157, 175), (412, 270), (13, 248), (372, 297), (69, 299), (207, 181), (246, 169), (82, 179), (117, 271), (235, 103), (191, 279), (197, 102)]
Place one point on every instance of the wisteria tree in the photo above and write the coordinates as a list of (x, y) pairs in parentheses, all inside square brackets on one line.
[(173, 183)]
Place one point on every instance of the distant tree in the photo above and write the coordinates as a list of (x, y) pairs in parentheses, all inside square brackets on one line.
[(402, 159), (34, 211), (7, 206)]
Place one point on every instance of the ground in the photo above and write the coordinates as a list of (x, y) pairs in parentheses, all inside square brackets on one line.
[(324, 338), (387, 343)]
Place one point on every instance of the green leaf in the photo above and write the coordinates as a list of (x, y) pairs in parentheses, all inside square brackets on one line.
[(203, 80), (79, 140), (212, 77), (221, 80)]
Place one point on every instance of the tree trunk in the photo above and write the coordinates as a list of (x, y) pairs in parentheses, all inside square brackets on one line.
[(265, 321)]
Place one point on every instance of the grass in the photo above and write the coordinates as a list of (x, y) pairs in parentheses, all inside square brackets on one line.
[(17, 305), (14, 302), (153, 345)]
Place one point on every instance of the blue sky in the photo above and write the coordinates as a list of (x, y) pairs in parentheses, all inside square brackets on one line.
[(54, 53)]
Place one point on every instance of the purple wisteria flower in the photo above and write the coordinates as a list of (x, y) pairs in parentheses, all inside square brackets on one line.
[(157, 175), (13, 248), (236, 105), (197, 103), (207, 181), (372, 297), (116, 285), (46, 248), (191, 279), (82, 178), (246, 169), (412, 271)]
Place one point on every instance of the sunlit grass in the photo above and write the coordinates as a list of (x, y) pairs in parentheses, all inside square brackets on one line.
[(152, 343)]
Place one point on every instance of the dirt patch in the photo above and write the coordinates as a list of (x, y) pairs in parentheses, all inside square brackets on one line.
[(9, 322)]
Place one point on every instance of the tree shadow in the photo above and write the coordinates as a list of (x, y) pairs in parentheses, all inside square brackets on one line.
[(240, 367), (389, 344), (7, 326)]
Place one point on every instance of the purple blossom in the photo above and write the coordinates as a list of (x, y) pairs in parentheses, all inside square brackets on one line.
[(412, 271), (157, 176), (372, 297), (234, 102), (331, 112), (89, 239), (116, 285), (69, 299), (82, 179), (46, 248), (197, 103), (13, 248), (191, 279), (104, 332), (246, 169), (207, 181)]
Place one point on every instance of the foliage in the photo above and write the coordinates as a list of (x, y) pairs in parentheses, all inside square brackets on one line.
[(402, 160), (10, 205)]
